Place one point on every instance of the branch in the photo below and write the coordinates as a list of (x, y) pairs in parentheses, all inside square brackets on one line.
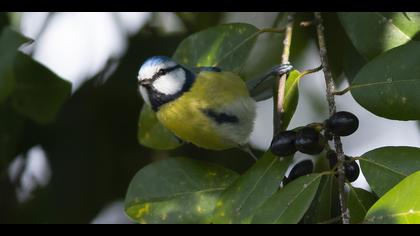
[(345, 215), (278, 107), (342, 92)]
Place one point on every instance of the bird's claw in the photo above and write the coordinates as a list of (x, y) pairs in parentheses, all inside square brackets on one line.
[(282, 69)]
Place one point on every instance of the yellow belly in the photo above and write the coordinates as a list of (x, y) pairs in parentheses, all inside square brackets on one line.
[(222, 92)]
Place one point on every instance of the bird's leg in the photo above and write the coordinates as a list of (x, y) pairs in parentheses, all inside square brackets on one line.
[(278, 70), (282, 69)]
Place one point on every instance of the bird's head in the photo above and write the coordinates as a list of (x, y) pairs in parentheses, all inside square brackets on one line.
[(162, 80)]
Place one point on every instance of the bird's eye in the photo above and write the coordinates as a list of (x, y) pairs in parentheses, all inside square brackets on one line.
[(161, 71)]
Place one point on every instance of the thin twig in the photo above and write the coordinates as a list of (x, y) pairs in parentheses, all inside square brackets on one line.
[(310, 71), (345, 215), (278, 107), (342, 92)]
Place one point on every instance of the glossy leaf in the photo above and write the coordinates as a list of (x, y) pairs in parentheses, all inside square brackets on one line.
[(39, 93), (359, 202), (10, 41), (401, 205), (289, 204), (265, 54), (11, 126), (264, 91), (195, 21), (373, 33), (177, 190), (291, 97), (152, 134), (321, 209), (388, 85), (226, 46), (240, 201), (387, 166), (335, 40), (353, 62)]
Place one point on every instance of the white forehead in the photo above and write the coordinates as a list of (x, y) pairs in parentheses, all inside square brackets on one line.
[(153, 65)]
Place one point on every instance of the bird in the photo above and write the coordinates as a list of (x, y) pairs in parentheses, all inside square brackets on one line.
[(210, 108)]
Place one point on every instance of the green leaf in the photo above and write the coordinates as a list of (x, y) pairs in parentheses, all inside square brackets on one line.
[(401, 205), (265, 54), (152, 134), (291, 97), (388, 85), (352, 62), (264, 91), (373, 33), (335, 40), (177, 190), (321, 209), (359, 202), (226, 46), (39, 93), (11, 127), (386, 166), (407, 22), (239, 202), (289, 204), (10, 41), (195, 21)]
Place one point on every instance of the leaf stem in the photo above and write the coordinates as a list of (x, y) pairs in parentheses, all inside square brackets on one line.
[(281, 85), (310, 71), (330, 87), (272, 30), (342, 92)]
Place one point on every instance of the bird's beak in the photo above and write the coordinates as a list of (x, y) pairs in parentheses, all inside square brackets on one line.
[(145, 83)]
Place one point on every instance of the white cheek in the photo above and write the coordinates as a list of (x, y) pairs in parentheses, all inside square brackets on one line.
[(145, 95), (171, 83)]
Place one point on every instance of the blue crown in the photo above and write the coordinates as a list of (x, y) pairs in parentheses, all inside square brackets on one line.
[(155, 60)]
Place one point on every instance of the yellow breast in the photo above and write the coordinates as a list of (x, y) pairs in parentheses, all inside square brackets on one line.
[(221, 93)]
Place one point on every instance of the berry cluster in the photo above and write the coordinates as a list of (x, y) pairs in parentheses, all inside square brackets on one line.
[(310, 140), (351, 168)]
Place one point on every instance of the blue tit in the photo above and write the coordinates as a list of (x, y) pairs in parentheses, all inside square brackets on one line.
[(211, 109)]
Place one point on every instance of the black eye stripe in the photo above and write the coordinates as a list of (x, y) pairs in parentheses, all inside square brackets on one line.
[(164, 72), (158, 74)]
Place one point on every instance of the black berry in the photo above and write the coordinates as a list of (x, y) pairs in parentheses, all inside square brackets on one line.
[(309, 141), (342, 123), (284, 143), (300, 169), (332, 158), (351, 171)]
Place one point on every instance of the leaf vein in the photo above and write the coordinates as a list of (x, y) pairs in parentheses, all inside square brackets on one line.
[(384, 166)]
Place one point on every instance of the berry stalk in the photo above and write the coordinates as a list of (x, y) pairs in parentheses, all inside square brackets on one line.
[(330, 88)]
